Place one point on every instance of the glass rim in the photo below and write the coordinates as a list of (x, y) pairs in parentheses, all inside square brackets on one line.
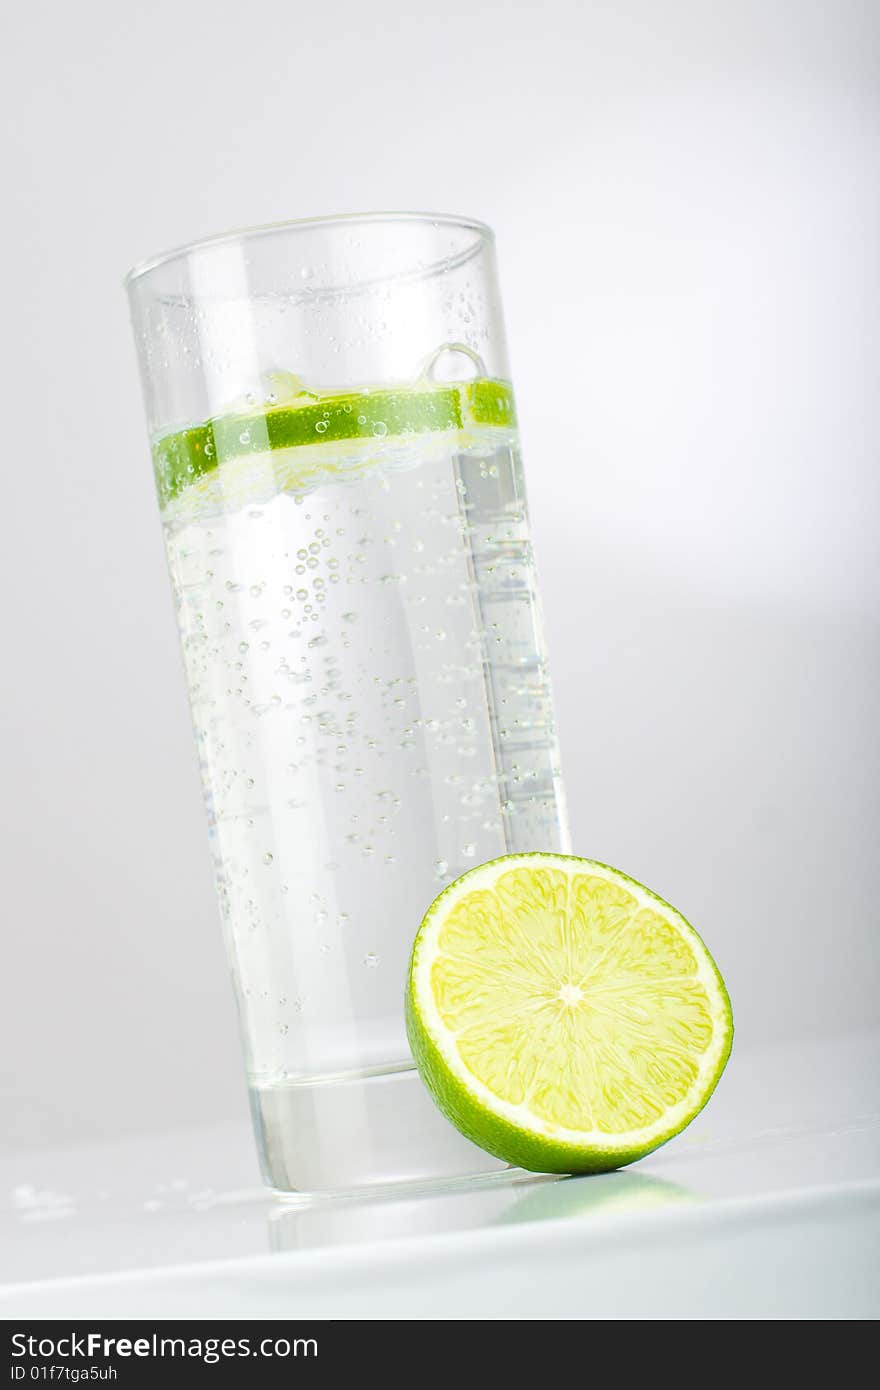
[(482, 230)]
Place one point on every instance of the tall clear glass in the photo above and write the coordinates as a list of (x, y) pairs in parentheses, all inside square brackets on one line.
[(336, 455)]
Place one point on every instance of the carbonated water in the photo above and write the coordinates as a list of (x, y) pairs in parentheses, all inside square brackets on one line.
[(371, 702)]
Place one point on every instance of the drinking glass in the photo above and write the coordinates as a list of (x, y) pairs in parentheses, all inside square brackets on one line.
[(336, 455)]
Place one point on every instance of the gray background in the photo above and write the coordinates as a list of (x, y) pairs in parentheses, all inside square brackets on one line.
[(686, 199)]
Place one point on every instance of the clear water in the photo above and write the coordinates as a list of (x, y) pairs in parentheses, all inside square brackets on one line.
[(370, 697)]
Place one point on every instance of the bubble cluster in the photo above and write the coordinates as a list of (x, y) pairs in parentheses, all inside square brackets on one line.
[(371, 702)]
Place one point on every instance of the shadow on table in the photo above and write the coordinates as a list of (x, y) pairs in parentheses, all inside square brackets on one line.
[(509, 1198)]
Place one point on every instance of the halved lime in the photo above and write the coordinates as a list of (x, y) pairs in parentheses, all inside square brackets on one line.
[(563, 1016), (266, 435)]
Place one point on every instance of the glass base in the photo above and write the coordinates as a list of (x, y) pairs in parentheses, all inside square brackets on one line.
[(359, 1130)]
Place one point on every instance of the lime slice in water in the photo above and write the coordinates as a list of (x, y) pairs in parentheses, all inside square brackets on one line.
[(243, 441), (562, 1016)]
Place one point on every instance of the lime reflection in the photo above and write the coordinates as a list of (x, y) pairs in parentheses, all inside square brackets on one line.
[(491, 1201)]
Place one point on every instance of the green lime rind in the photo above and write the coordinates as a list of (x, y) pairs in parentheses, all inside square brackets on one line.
[(489, 402), (183, 457), (483, 1123)]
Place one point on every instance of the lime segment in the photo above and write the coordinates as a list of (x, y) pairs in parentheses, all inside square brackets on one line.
[(185, 456), (563, 1016)]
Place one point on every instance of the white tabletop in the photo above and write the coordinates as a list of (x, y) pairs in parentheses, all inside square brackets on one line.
[(768, 1206)]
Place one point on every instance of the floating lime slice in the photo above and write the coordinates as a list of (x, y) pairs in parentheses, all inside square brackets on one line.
[(563, 1016), (186, 457)]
